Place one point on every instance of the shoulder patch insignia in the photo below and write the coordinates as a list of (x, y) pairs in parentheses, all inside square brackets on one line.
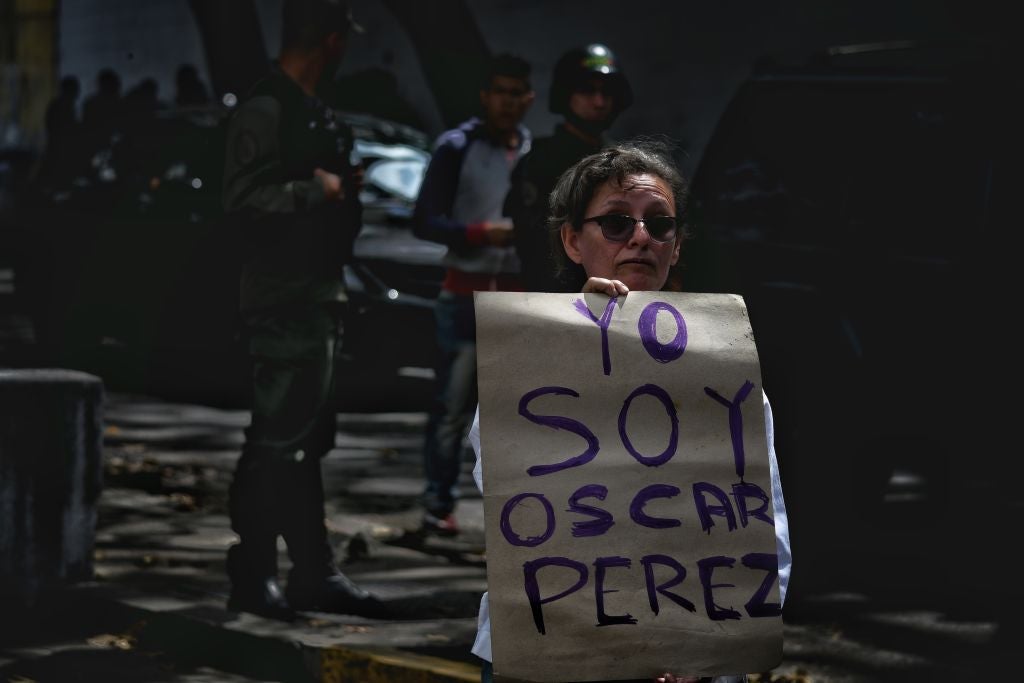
[(246, 148)]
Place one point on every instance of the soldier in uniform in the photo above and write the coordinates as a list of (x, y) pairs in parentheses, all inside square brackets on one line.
[(292, 187), (589, 90)]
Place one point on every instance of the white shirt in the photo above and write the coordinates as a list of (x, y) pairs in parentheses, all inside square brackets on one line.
[(482, 645)]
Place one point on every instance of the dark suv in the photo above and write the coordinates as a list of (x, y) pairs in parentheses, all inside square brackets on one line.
[(860, 203)]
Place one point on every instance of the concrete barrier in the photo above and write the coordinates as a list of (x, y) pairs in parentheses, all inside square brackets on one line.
[(51, 476)]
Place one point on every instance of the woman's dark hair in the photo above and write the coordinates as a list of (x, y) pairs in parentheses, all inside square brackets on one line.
[(576, 187)]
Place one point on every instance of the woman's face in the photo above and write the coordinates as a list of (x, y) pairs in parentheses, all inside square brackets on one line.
[(639, 262)]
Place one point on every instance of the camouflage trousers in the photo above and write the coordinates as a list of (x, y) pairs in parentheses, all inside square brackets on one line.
[(277, 487)]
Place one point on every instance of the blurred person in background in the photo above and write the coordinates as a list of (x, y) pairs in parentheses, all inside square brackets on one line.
[(460, 205), (588, 89), (102, 111), (189, 89), (62, 128), (139, 148), (62, 112), (376, 90)]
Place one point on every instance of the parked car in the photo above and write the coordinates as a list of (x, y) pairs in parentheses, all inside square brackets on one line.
[(861, 204), (130, 271)]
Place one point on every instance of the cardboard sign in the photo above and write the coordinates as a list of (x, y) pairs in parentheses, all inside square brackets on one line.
[(627, 491)]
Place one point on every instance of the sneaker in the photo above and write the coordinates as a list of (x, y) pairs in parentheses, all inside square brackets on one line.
[(442, 526)]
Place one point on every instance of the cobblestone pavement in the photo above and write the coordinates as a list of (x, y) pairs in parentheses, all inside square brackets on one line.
[(156, 608), (910, 606)]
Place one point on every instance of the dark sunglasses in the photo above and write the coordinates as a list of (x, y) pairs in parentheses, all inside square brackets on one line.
[(619, 227)]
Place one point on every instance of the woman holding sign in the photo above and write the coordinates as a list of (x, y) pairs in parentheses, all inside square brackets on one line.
[(617, 213)]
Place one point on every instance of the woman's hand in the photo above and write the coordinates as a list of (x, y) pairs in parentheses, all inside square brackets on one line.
[(673, 678), (609, 287)]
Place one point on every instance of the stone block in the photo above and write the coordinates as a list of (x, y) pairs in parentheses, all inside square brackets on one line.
[(51, 477)]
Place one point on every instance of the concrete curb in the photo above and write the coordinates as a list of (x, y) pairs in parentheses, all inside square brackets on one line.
[(252, 646), (338, 664)]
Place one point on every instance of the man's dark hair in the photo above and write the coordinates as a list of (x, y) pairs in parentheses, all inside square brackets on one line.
[(305, 23), (508, 65)]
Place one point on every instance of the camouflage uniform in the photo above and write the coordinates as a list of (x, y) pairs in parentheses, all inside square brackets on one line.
[(537, 173), (292, 298)]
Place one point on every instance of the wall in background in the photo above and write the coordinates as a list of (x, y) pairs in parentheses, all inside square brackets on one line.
[(137, 39), (684, 57)]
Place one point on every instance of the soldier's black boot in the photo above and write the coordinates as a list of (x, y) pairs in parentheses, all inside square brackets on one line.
[(332, 591), (252, 563), (253, 589), (315, 583)]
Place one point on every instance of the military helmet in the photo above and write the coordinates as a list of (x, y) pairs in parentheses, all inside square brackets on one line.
[(581, 63)]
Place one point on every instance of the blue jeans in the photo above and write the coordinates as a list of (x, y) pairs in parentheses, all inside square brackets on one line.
[(454, 404)]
